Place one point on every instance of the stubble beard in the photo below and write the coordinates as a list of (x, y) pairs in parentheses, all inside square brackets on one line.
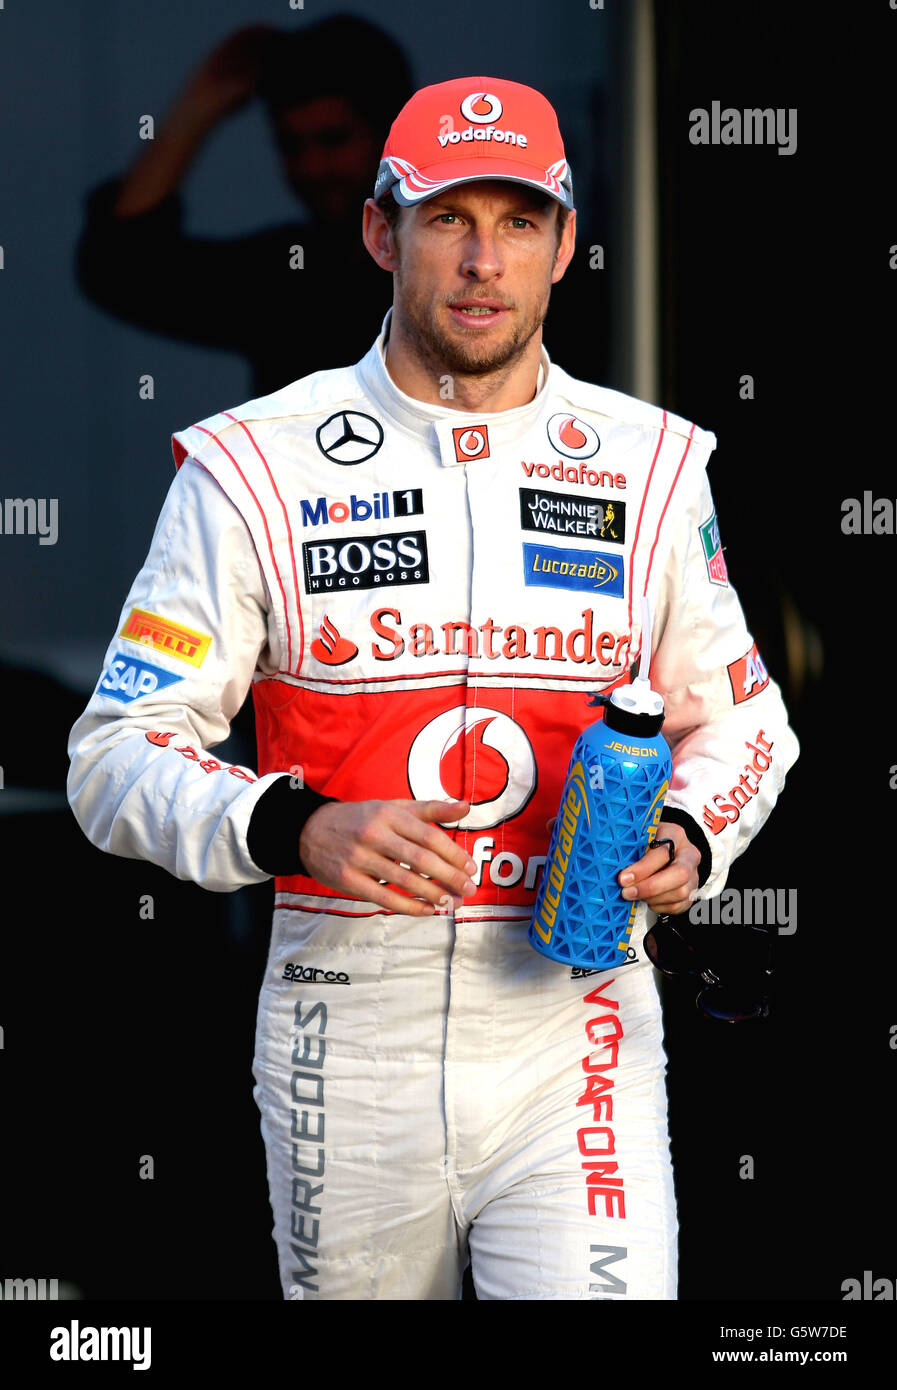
[(449, 355)]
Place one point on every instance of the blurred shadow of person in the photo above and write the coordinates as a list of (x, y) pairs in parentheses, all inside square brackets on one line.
[(330, 93)]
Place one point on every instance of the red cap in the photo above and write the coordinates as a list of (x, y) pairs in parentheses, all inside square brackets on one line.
[(473, 128)]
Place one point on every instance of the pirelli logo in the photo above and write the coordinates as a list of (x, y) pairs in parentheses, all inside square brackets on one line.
[(163, 635)]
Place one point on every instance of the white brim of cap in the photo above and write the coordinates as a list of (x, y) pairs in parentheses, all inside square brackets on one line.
[(423, 184)]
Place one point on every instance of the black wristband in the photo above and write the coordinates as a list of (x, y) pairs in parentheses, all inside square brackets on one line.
[(276, 823), (696, 836)]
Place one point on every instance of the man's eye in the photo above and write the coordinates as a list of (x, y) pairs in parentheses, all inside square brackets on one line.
[(446, 216), (521, 221)]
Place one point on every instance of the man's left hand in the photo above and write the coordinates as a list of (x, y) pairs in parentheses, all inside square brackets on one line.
[(667, 886)]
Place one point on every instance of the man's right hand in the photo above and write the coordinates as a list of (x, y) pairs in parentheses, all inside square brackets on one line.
[(352, 845), (228, 78), (225, 81)]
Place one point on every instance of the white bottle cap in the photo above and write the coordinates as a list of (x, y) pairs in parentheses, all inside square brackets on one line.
[(638, 698)]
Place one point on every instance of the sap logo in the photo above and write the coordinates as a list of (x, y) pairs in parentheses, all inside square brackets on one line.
[(128, 679)]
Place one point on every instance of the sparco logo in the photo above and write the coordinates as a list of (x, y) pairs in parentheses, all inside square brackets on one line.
[(313, 974), (579, 972), (349, 437), (320, 511), (365, 562), (445, 753)]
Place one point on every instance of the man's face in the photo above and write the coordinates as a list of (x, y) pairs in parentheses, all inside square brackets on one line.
[(329, 155), (474, 268)]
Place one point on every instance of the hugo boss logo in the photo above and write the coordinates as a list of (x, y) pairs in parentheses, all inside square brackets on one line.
[(365, 562)]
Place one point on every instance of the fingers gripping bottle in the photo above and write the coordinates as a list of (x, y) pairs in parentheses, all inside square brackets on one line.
[(612, 800)]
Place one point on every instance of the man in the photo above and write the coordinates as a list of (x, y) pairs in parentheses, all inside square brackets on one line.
[(325, 90), (402, 557)]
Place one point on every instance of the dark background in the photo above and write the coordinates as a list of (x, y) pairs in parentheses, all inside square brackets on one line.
[(125, 1037)]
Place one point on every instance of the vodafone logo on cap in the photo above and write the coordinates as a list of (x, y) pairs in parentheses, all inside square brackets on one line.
[(572, 436), (481, 107), (482, 741), (471, 442)]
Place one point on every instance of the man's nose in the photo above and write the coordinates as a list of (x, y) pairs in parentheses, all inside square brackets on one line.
[(482, 258)]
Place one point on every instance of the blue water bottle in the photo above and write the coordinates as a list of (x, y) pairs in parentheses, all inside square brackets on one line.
[(612, 800)]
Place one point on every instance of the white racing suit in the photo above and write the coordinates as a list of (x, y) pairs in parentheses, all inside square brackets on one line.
[(422, 601)]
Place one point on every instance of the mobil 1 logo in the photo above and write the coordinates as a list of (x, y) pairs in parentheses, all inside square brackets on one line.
[(323, 511), (566, 514), (365, 562)]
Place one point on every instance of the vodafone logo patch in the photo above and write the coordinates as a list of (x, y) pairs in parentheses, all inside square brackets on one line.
[(481, 107), (573, 437), (479, 755), (471, 442)]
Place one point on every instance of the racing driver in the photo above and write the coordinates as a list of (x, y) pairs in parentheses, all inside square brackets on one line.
[(423, 565)]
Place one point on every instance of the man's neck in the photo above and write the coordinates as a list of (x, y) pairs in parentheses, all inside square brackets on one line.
[(425, 379)]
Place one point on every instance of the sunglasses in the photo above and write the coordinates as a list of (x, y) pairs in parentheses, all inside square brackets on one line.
[(735, 1001)]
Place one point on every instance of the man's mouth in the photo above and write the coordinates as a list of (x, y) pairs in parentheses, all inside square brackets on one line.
[(481, 312)]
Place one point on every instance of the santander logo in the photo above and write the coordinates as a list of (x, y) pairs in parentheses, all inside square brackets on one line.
[(331, 648), (477, 755)]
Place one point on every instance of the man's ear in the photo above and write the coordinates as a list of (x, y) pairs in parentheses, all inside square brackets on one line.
[(377, 236), (565, 249)]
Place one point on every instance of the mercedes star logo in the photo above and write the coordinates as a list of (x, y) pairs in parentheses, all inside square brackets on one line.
[(349, 437)]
